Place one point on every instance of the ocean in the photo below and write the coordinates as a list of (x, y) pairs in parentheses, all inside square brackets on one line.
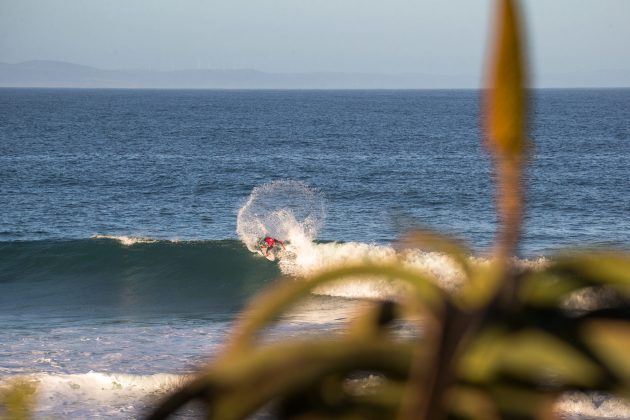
[(129, 219)]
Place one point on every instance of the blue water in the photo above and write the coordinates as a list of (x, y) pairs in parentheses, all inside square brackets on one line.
[(178, 164), (118, 210)]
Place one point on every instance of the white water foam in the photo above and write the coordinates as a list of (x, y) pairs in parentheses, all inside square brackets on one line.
[(111, 395), (286, 210), (293, 212), (308, 259), (96, 394)]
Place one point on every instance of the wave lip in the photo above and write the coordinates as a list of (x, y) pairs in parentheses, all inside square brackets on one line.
[(126, 240)]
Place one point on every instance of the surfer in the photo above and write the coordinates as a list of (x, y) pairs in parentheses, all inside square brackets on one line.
[(267, 243)]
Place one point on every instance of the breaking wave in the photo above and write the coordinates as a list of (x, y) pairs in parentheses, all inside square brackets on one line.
[(294, 212)]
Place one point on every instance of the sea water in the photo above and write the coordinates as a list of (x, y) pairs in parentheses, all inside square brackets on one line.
[(129, 219)]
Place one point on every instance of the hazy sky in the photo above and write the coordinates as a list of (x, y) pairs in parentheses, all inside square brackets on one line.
[(394, 36)]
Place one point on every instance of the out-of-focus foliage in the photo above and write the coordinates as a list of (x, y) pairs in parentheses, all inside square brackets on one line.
[(494, 362), (17, 400), (503, 346)]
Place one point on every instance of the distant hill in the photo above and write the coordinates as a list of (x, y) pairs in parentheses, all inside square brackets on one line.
[(40, 73)]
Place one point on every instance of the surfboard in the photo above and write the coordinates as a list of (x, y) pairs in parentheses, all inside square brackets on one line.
[(270, 256)]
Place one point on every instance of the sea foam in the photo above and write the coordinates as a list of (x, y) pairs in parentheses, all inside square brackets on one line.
[(306, 260), (97, 394), (116, 395), (283, 209), (294, 212)]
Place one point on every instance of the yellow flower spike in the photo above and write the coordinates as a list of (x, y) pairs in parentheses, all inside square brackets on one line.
[(505, 99), (505, 124)]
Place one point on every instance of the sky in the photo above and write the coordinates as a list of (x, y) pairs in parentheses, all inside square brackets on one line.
[(393, 36)]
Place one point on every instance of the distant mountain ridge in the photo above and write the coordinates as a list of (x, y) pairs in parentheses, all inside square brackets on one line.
[(44, 73), (40, 73)]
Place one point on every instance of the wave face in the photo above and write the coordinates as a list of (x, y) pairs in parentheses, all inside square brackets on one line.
[(105, 276), (126, 275), (134, 275)]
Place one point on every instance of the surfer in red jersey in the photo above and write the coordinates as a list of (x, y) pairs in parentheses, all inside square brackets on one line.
[(267, 243)]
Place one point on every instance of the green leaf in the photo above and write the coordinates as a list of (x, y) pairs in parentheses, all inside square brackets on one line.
[(471, 403), (281, 369), (597, 267), (547, 288), (268, 306), (531, 354), (610, 339)]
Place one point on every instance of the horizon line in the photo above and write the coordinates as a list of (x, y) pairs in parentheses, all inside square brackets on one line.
[(64, 74)]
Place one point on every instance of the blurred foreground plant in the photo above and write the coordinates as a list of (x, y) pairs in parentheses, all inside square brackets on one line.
[(503, 346), (16, 400)]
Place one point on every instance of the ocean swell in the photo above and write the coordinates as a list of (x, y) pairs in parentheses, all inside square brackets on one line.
[(106, 275)]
